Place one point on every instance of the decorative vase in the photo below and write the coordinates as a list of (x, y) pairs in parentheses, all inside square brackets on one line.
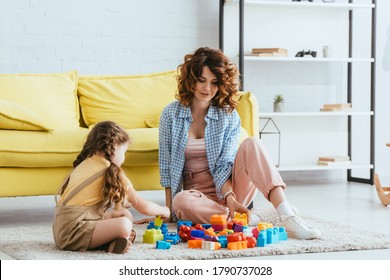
[(278, 106)]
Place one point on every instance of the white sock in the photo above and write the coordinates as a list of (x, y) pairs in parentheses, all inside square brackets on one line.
[(284, 209)]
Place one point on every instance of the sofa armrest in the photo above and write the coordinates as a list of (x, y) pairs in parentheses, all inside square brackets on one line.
[(249, 113)]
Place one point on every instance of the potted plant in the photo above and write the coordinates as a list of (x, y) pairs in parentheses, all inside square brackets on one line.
[(278, 103)]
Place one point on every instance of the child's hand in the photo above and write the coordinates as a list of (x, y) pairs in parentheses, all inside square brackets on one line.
[(166, 213)]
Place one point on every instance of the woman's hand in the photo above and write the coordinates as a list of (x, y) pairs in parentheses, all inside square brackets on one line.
[(235, 206)]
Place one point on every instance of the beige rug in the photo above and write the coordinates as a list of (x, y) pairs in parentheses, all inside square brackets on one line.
[(36, 242)]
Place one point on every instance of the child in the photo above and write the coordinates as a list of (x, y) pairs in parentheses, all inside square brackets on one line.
[(84, 218)]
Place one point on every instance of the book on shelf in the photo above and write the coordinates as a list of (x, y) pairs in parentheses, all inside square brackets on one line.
[(323, 162), (336, 107), (334, 158), (268, 50), (269, 54)]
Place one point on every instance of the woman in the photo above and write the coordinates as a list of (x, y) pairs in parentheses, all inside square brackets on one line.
[(201, 167)]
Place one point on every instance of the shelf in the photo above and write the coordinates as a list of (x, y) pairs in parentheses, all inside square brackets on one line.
[(317, 167), (315, 114), (309, 5), (306, 59)]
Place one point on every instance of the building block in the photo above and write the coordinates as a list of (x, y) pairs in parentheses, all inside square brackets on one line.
[(272, 235), (262, 239), (262, 226), (240, 245), (152, 236), (197, 233), (240, 218), (195, 244), (158, 221), (185, 233), (206, 226), (163, 245), (251, 241), (218, 222), (223, 241), (235, 237), (183, 222), (209, 245), (172, 237), (255, 232), (283, 234)]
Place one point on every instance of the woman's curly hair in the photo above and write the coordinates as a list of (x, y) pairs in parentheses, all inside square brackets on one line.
[(102, 138), (225, 71)]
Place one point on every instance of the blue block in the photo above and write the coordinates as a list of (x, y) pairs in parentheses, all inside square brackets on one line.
[(163, 245), (282, 234), (206, 226), (223, 241), (172, 237), (197, 233), (262, 239)]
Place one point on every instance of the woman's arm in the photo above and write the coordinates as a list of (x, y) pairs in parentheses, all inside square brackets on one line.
[(231, 202)]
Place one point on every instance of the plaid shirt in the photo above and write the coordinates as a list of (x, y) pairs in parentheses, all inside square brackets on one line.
[(221, 136)]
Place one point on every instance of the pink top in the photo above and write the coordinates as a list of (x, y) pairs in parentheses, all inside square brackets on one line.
[(195, 155)]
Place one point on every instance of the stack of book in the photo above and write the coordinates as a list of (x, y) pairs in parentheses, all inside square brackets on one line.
[(334, 160), (269, 52), (336, 107)]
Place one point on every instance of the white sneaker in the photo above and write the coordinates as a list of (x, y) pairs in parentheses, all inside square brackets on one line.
[(269, 215), (298, 228)]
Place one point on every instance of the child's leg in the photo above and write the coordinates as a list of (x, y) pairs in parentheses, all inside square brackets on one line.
[(118, 212), (107, 230), (383, 197)]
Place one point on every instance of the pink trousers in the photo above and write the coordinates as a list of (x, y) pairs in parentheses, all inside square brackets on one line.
[(253, 171)]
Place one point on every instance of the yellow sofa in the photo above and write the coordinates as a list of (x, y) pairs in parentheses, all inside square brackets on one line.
[(44, 120)]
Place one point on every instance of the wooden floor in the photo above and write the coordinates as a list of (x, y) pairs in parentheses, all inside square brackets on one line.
[(352, 204)]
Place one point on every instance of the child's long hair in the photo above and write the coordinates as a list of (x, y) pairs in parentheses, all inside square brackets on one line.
[(103, 138)]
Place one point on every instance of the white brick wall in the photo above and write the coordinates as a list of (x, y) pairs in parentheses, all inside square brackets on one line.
[(141, 36), (103, 36)]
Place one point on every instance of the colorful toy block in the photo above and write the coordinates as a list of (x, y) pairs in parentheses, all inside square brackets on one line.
[(158, 221), (223, 241), (262, 239), (218, 222), (185, 233), (235, 237), (209, 245), (283, 234), (172, 237), (240, 218), (262, 226), (251, 241), (163, 245), (195, 244), (152, 236), (197, 233), (240, 245), (183, 222)]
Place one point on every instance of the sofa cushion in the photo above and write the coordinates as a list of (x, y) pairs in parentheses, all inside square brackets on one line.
[(127, 100), (52, 96), (19, 117), (60, 148)]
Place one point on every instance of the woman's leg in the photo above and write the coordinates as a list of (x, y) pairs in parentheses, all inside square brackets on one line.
[(195, 206), (253, 171), (253, 168)]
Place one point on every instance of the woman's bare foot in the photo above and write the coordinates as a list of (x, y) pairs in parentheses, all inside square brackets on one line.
[(383, 197)]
